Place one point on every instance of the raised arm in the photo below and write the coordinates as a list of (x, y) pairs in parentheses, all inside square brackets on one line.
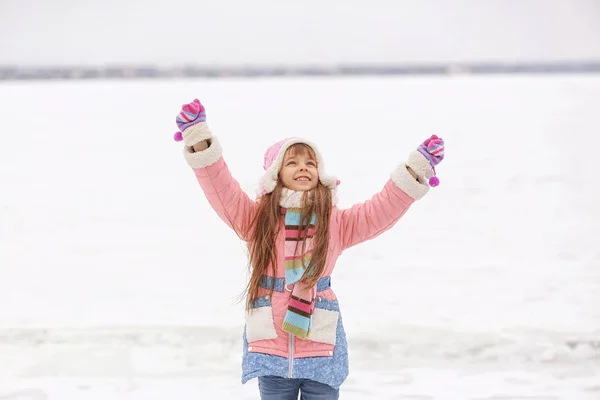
[(204, 155), (408, 183)]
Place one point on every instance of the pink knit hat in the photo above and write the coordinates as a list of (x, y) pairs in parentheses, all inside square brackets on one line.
[(274, 159)]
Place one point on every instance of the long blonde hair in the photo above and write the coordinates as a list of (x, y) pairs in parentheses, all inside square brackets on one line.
[(266, 226)]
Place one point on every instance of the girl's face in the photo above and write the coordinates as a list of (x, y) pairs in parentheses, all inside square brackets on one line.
[(299, 169)]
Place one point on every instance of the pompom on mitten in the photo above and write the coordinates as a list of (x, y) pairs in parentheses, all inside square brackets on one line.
[(191, 122), (427, 156)]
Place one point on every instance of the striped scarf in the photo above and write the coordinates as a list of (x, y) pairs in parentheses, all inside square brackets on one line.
[(298, 317)]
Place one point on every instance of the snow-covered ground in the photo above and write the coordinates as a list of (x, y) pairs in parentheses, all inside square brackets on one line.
[(117, 280)]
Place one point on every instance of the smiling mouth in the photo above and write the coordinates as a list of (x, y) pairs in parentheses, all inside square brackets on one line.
[(302, 179)]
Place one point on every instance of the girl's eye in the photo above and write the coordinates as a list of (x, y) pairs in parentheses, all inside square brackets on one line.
[(290, 162), (311, 163)]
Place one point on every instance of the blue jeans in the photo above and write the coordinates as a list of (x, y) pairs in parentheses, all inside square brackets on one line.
[(277, 388)]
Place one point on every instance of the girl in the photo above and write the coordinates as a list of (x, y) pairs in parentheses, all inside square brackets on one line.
[(294, 339)]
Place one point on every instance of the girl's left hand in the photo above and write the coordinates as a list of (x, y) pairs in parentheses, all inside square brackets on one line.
[(433, 150), (424, 160)]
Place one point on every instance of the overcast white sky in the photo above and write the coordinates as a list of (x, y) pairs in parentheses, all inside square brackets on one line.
[(243, 32)]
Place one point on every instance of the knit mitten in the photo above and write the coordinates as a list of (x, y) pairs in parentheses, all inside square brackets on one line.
[(427, 156), (191, 122)]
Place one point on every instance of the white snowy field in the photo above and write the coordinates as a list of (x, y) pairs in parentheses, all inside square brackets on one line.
[(117, 280)]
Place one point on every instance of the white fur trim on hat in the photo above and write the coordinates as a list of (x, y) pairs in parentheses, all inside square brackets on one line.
[(270, 177)]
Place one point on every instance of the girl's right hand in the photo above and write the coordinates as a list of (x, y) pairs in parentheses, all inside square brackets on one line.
[(191, 122)]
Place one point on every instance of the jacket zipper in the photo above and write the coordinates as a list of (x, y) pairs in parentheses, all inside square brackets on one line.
[(291, 367), (291, 340)]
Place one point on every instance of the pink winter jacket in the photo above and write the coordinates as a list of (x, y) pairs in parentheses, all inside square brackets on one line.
[(348, 227)]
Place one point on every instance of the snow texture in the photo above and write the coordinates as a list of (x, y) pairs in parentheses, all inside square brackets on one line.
[(118, 281)]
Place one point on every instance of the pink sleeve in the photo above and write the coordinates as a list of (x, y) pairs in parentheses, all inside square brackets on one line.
[(370, 219), (365, 221), (223, 192)]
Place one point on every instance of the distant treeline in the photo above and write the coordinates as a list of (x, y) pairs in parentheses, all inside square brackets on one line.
[(192, 71)]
